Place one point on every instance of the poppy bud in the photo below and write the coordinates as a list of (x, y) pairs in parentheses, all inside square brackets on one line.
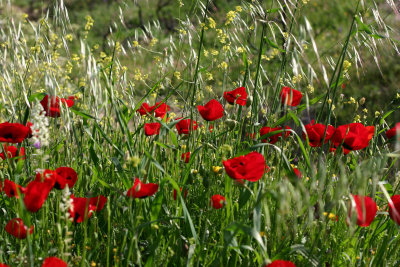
[(231, 123), (249, 101)]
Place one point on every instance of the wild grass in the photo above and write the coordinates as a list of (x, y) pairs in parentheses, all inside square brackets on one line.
[(262, 46)]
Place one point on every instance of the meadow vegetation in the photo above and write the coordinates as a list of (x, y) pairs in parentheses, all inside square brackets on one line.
[(199, 133)]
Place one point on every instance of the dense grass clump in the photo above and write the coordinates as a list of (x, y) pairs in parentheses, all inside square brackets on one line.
[(206, 134)]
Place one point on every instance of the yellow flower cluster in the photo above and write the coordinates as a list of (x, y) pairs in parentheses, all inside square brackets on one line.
[(230, 16), (223, 65), (89, 23), (153, 42), (211, 23), (297, 78), (221, 36)]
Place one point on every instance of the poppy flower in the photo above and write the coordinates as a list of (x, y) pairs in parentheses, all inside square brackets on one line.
[(54, 262), (239, 95), (186, 156), (13, 132), (273, 138), (315, 133), (353, 136), (10, 189), (141, 190), (211, 111), (52, 107), (174, 193), (297, 172), (12, 152), (17, 228), (211, 128), (281, 263), (152, 128), (394, 208), (65, 176), (3, 265), (38, 190), (290, 97), (251, 135), (218, 201), (29, 125), (160, 109), (83, 207), (249, 167), (393, 131), (365, 208), (144, 109), (186, 126)]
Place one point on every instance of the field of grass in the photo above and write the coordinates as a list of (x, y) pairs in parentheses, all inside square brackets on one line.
[(117, 157)]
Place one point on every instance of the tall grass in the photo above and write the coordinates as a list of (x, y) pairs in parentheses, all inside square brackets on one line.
[(260, 45)]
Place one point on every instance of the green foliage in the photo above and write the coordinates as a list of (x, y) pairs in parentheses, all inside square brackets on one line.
[(113, 56)]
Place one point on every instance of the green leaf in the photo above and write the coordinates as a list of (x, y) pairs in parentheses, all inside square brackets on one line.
[(82, 114), (38, 96), (156, 206), (274, 45), (362, 26)]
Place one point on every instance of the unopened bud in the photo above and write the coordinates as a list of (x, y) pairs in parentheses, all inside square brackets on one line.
[(231, 123), (249, 101)]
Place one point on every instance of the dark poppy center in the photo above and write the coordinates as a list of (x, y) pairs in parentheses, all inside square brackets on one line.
[(8, 135)]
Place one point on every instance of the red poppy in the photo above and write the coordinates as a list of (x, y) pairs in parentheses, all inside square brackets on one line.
[(65, 176), (12, 152), (3, 265), (29, 126), (152, 128), (218, 201), (52, 109), (10, 189), (54, 262), (17, 228), (281, 263), (174, 193), (141, 190), (290, 97), (366, 209), (315, 133), (13, 132), (394, 208), (211, 128), (38, 190), (249, 167), (251, 135), (183, 126), (297, 172), (393, 131), (83, 207), (239, 95), (160, 109), (186, 157), (353, 136), (274, 138), (211, 111), (144, 109)]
